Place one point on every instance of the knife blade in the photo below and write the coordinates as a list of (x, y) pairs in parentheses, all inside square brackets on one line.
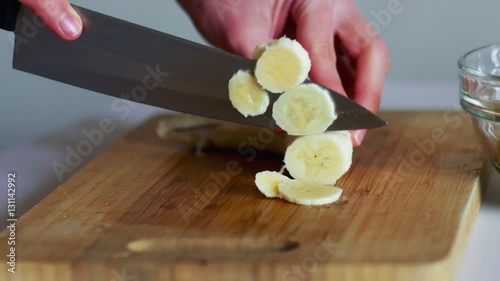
[(135, 63)]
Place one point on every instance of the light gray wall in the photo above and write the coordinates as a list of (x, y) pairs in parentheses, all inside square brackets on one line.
[(425, 39)]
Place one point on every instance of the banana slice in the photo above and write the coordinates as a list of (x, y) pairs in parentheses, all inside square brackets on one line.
[(321, 158), (305, 193), (267, 182), (282, 65), (304, 110), (246, 95), (259, 50)]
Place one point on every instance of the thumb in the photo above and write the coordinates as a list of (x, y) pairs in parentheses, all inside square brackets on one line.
[(316, 33), (58, 15), (244, 33), (245, 38)]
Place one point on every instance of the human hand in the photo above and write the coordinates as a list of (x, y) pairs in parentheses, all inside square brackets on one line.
[(58, 15), (347, 55)]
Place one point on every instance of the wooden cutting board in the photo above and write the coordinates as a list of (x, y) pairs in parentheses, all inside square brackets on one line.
[(148, 210)]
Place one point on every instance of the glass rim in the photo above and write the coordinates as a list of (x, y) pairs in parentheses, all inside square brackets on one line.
[(463, 66)]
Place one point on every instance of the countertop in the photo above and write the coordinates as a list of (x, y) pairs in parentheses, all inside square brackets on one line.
[(34, 164)]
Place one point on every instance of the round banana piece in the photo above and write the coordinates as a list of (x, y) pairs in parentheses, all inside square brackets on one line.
[(267, 182), (306, 193), (246, 95), (304, 110), (320, 159), (282, 65)]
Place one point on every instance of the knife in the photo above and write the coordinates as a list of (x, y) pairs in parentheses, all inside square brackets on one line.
[(131, 62)]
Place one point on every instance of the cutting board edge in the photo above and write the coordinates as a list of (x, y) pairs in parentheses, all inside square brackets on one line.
[(429, 271), (449, 261), (459, 247)]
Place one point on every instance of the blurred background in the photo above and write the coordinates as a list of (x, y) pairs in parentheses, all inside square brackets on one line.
[(425, 40)]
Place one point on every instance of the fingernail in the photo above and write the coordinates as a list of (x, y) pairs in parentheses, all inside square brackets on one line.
[(359, 136), (70, 25)]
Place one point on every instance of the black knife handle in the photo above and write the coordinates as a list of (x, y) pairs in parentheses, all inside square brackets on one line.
[(8, 14)]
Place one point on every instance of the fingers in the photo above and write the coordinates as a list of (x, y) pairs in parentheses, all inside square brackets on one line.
[(346, 68), (372, 67), (245, 32), (371, 57), (254, 23), (244, 38), (315, 31), (58, 15), (235, 30), (373, 64)]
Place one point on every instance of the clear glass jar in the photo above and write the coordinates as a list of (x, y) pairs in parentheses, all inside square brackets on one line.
[(480, 96)]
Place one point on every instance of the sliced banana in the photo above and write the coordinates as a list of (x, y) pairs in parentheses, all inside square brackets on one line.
[(282, 64), (267, 182), (259, 50), (306, 193), (321, 158), (246, 95), (304, 110), (317, 159)]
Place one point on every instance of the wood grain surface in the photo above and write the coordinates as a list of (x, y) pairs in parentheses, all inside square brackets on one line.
[(150, 209)]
